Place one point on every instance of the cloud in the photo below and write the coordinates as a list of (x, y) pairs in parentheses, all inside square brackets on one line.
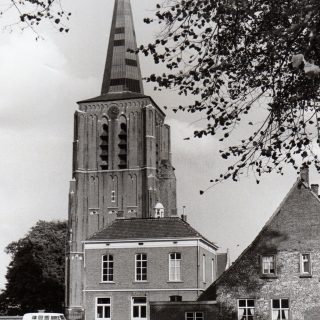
[(37, 102)]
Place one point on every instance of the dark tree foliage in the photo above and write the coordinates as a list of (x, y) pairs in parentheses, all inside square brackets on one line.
[(35, 276), (241, 58), (32, 12)]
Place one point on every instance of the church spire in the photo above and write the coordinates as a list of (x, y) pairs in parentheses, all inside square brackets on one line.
[(122, 71)]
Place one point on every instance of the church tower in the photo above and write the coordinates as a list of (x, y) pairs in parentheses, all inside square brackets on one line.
[(121, 154)]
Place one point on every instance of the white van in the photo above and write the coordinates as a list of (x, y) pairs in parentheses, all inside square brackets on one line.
[(43, 316)]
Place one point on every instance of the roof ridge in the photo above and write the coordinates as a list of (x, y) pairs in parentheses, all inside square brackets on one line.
[(197, 232), (148, 218), (314, 194)]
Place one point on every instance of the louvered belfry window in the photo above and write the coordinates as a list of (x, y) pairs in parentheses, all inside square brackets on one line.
[(104, 142), (123, 146)]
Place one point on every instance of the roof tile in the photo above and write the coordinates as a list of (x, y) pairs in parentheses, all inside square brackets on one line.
[(147, 228)]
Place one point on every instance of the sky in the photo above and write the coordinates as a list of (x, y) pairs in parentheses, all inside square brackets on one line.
[(41, 83)]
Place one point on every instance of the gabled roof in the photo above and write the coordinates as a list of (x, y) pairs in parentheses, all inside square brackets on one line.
[(295, 185), (209, 293), (148, 228)]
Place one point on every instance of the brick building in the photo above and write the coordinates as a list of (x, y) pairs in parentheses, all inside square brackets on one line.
[(133, 262), (277, 276), (124, 231)]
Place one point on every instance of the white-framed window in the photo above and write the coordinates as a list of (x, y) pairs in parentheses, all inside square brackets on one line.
[(305, 263), (204, 268), (268, 264), (245, 309), (191, 315), (107, 268), (103, 308), (113, 196), (175, 266), (280, 309), (139, 308), (141, 267)]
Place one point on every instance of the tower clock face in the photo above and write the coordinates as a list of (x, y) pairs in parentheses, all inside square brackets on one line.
[(113, 111)]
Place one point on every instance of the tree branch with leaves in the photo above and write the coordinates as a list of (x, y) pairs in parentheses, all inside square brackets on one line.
[(32, 12), (241, 58), (35, 275)]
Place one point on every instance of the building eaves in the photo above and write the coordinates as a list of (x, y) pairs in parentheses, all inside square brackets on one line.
[(126, 95)]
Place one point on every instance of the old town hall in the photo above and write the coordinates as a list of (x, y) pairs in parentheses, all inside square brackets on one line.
[(127, 245)]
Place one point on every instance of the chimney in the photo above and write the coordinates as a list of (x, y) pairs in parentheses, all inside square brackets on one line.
[(184, 217), (315, 188), (304, 175)]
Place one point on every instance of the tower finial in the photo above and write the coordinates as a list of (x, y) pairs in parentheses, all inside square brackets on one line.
[(122, 71)]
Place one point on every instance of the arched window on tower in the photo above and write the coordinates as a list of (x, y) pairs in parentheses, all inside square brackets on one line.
[(104, 142), (123, 144)]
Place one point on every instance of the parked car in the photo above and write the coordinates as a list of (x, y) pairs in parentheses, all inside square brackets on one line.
[(43, 316)]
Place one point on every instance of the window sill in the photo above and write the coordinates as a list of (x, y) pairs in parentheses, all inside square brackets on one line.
[(143, 281), (306, 275), (106, 282), (268, 276), (175, 281)]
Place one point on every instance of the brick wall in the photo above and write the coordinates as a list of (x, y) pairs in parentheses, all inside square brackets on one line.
[(121, 302), (158, 268), (177, 310), (157, 288)]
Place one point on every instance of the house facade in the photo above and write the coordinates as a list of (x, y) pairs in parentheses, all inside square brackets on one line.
[(133, 262), (277, 276)]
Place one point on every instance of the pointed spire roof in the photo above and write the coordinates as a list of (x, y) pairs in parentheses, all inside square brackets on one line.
[(122, 71)]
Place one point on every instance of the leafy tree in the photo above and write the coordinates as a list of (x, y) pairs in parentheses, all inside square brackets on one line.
[(35, 276), (31, 13), (242, 58)]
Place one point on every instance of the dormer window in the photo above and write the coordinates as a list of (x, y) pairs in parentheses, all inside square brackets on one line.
[(159, 210), (159, 214)]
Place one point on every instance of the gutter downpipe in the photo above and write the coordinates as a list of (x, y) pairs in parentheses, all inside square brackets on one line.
[(198, 266)]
